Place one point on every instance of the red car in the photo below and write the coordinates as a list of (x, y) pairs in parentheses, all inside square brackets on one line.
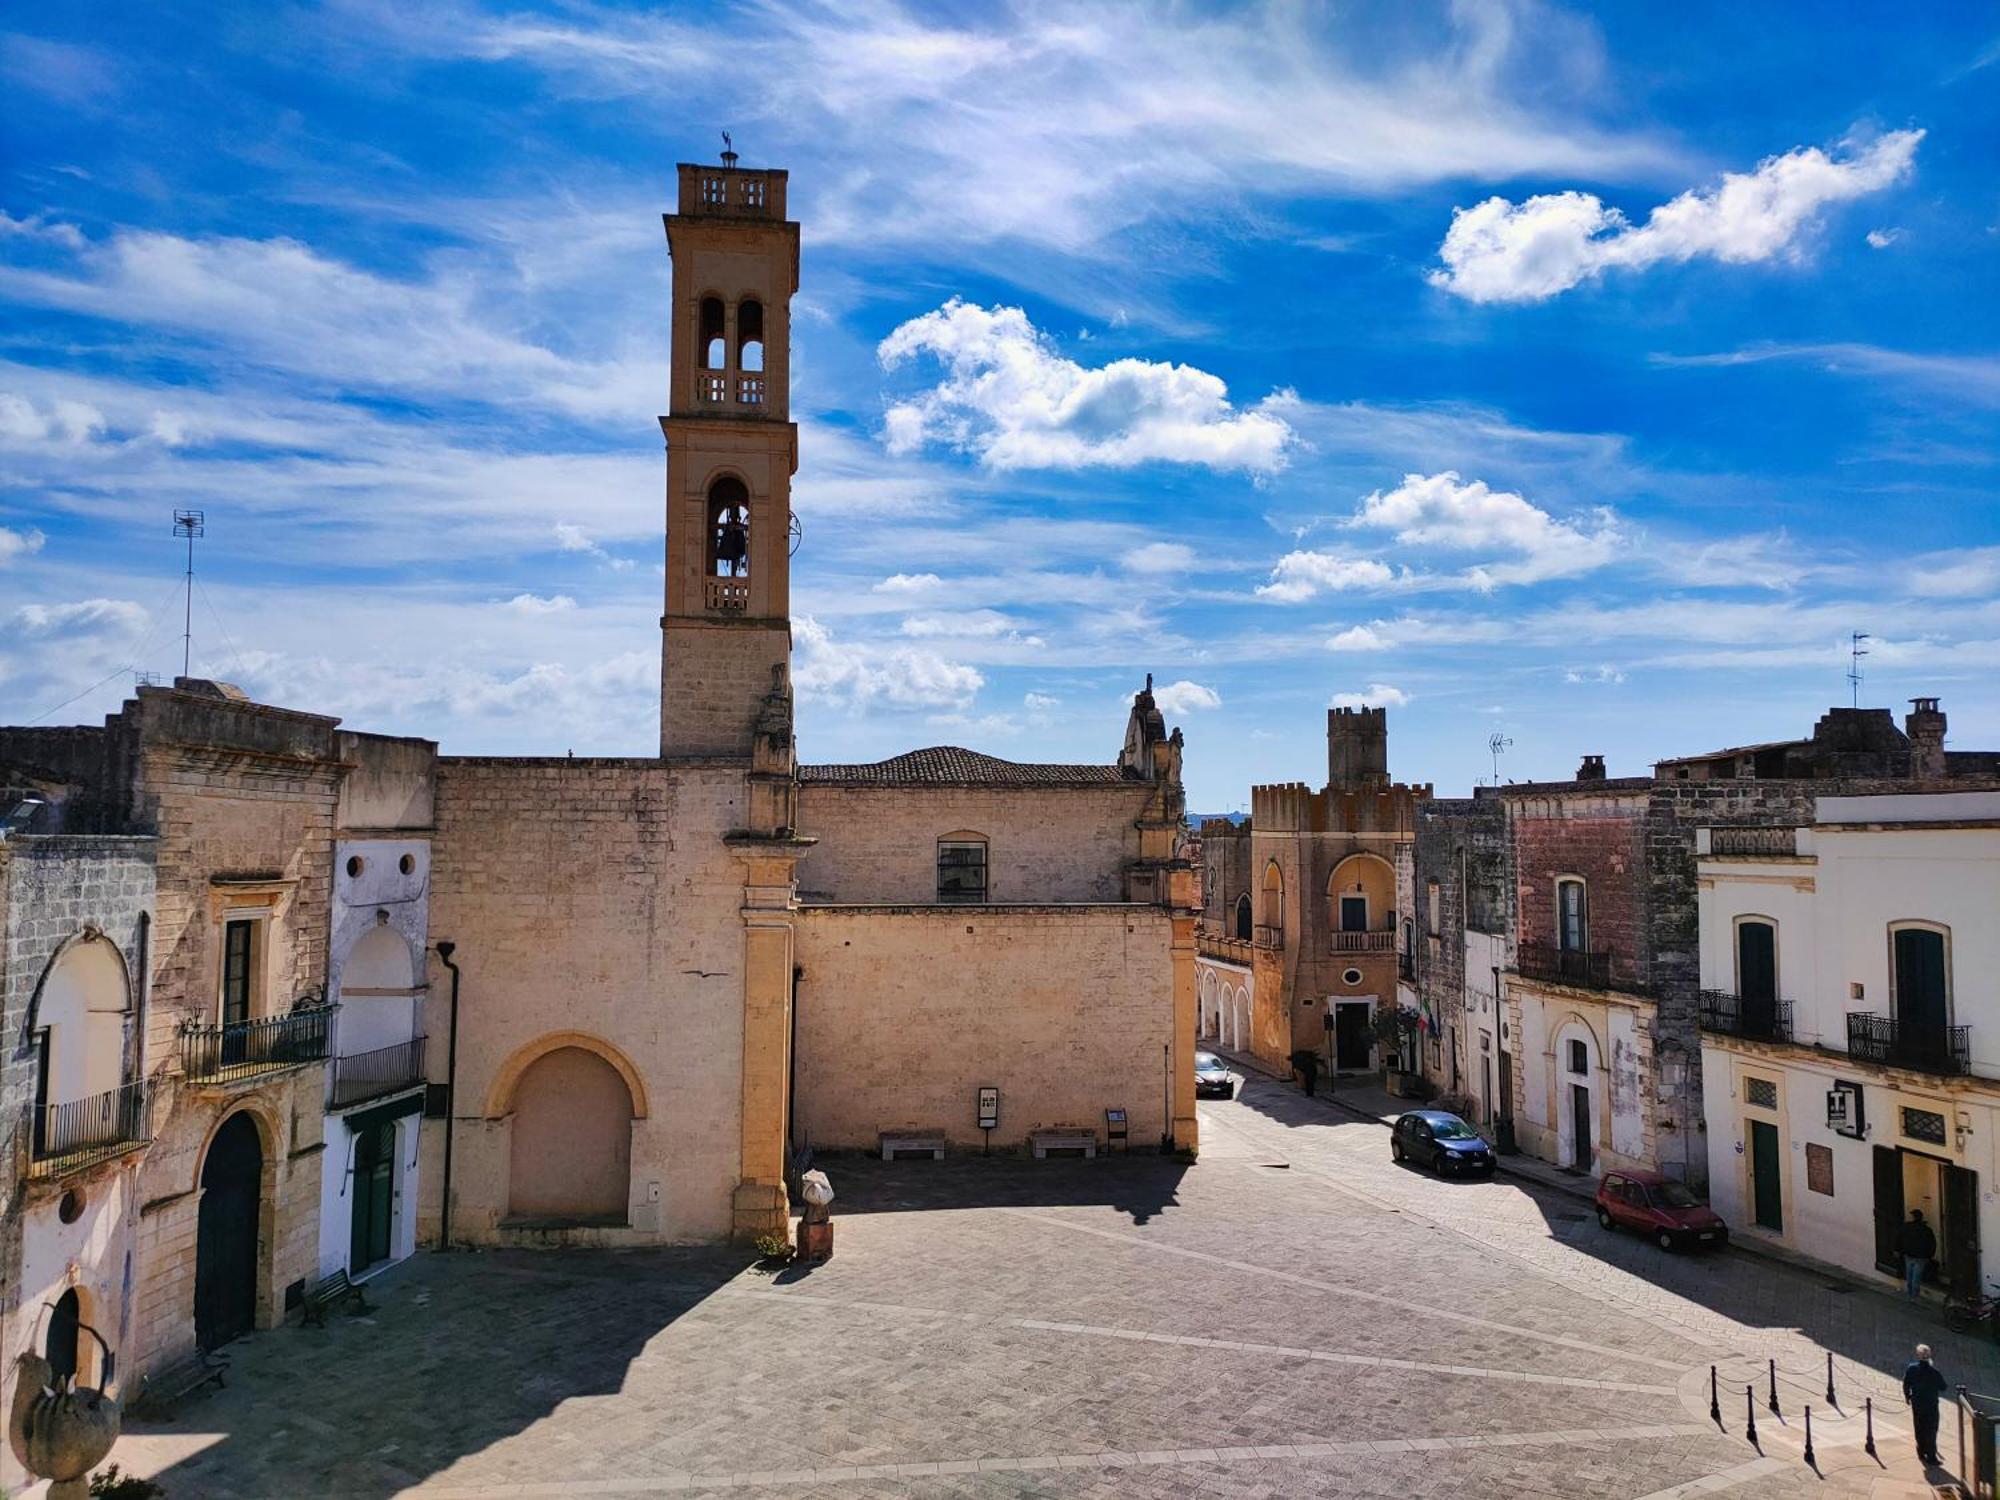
[(1660, 1208)]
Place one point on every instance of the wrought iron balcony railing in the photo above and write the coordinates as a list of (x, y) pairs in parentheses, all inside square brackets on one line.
[(368, 1075), (1580, 966), (66, 1135), (1751, 1018), (1363, 942), (217, 1054), (1925, 1049)]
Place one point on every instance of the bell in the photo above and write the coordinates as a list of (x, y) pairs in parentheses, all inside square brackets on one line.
[(732, 545)]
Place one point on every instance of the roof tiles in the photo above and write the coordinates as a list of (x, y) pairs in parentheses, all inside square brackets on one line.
[(950, 765)]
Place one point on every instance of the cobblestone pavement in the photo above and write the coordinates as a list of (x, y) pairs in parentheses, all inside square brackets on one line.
[(1293, 1316)]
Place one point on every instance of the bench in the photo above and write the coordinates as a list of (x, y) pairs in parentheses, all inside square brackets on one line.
[(916, 1142), (159, 1391), (1063, 1142), (335, 1288)]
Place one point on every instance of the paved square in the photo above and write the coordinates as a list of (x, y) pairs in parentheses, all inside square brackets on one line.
[(1293, 1316)]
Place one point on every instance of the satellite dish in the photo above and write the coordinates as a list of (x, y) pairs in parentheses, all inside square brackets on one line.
[(797, 534)]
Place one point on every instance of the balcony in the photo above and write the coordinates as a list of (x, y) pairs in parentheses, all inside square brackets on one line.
[(1741, 842), (65, 1137), (1923, 1049), (1230, 950), (223, 1054), (370, 1075), (1579, 966), (1362, 942), (1754, 1020)]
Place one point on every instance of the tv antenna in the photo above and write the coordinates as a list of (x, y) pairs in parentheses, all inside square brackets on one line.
[(1495, 743), (1855, 651), (190, 524)]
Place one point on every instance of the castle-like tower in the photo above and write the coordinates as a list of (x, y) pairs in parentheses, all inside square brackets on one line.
[(731, 452)]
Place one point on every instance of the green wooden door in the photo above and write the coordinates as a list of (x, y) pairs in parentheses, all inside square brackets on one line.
[(374, 1196), (1764, 1165)]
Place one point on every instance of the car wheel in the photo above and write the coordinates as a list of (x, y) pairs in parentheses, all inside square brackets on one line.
[(1604, 1219), (1438, 1164), (1230, 1092), (1395, 1151), (1664, 1239)]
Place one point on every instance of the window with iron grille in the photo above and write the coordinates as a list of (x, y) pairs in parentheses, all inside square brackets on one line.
[(1924, 1125), (961, 870), (1762, 1092)]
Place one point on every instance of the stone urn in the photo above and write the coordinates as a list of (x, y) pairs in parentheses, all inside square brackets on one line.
[(816, 1223), (57, 1431)]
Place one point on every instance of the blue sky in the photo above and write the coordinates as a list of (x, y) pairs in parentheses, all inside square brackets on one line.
[(1581, 376)]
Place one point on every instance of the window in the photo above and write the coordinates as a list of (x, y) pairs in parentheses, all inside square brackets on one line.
[(1274, 900), (1924, 1125), (239, 944), (961, 869), (729, 528), (1579, 1055), (1920, 981), (750, 336), (709, 337), (1432, 900), (1245, 923), (714, 191), (1761, 1092), (1571, 931), (1756, 960), (1353, 913), (751, 189)]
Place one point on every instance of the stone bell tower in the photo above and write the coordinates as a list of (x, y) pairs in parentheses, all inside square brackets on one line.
[(731, 452)]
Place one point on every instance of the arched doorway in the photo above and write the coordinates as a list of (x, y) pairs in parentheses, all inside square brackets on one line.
[(572, 1140), (65, 1320), (225, 1264)]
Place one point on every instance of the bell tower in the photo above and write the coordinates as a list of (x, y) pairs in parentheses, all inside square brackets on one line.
[(731, 452)]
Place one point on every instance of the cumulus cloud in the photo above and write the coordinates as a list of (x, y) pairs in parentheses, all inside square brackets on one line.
[(532, 604), (859, 675), (1446, 512), (1039, 702), (1159, 557), (1500, 251), (1300, 575), (1357, 638), (1185, 697), (1604, 673), (69, 422), (1882, 239), (14, 544), (907, 583), (1379, 695), (1013, 401)]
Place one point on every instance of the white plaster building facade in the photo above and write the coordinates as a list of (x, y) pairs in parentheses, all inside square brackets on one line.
[(1850, 1030)]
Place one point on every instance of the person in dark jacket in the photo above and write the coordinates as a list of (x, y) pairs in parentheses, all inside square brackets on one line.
[(1922, 1385), (1308, 1071), (1919, 1247)]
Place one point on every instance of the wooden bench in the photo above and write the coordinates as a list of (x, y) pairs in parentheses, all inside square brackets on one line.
[(916, 1142), (158, 1392), (1063, 1142), (335, 1288)]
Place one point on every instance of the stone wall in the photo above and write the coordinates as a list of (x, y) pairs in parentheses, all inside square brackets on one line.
[(878, 844), (904, 1013), (593, 899), (713, 677)]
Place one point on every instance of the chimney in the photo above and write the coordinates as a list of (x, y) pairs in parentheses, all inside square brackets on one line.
[(1592, 768), (1924, 724)]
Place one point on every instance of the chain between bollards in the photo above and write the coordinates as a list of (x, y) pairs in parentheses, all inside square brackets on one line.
[(1810, 1464), (1869, 1408), (1750, 1406), (1774, 1389), (1830, 1401), (1714, 1402)]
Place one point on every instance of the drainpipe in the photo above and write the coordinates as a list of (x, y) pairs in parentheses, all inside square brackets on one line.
[(444, 953), (1505, 1145)]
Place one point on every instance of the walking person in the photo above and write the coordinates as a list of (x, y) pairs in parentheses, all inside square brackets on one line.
[(1308, 1071), (1922, 1385), (1919, 1248)]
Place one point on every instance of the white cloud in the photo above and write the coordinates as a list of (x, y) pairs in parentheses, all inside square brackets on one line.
[(67, 422), (85, 617), (858, 675), (1185, 697), (1013, 401), (1500, 251), (1971, 378), (1964, 573), (1605, 673), (571, 538), (531, 604), (969, 624), (1039, 702), (1159, 557), (1379, 695), (1300, 575), (1357, 638), (1882, 239), (908, 583), (16, 544), (1443, 511)]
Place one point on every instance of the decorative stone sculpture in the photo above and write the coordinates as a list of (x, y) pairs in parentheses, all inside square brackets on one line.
[(816, 1223), (59, 1432)]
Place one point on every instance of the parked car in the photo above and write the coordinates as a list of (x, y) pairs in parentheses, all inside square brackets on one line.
[(1441, 1141), (1212, 1078), (1665, 1211)]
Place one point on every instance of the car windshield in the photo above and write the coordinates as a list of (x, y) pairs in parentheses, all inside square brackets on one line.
[(1207, 1062), (1451, 1128), (1675, 1195)]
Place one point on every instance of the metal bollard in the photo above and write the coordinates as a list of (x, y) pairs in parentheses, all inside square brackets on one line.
[(1830, 1401), (1714, 1404), (1750, 1405), (1869, 1446), (1774, 1389), (1810, 1464)]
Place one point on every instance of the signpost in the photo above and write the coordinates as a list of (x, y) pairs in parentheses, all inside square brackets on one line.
[(989, 1113)]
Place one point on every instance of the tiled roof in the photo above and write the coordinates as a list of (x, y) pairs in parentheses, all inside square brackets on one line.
[(949, 765)]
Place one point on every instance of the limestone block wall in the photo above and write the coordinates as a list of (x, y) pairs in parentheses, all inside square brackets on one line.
[(879, 843), (592, 899), (713, 678), (904, 1013)]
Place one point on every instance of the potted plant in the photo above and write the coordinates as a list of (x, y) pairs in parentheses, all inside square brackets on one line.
[(1395, 1033)]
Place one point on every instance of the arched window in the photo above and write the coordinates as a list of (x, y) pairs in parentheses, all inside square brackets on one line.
[(80, 1019), (728, 528), (571, 1147), (709, 338), (750, 336), (1274, 901), (1245, 926), (1920, 984)]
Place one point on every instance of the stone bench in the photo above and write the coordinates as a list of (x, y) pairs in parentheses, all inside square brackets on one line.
[(925, 1142), (1047, 1143)]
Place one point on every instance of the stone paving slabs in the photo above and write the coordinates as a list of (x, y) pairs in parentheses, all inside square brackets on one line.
[(1294, 1315)]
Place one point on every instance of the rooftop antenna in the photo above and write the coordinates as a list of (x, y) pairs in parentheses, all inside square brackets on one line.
[(1495, 743), (728, 150), (1855, 651), (190, 524)]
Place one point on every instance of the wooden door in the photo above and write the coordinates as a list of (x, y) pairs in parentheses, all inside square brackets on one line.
[(1921, 1008), (1959, 1241), (1888, 1208), (1350, 1036), (225, 1264), (1757, 976), (1766, 1187), (1580, 1123), (374, 1188)]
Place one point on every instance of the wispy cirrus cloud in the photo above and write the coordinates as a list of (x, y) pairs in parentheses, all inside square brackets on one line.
[(1972, 378)]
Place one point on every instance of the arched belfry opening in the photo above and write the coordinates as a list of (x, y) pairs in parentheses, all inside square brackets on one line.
[(728, 528), (711, 341), (750, 336)]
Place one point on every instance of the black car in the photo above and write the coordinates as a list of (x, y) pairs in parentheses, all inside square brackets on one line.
[(1212, 1079), (1441, 1141)]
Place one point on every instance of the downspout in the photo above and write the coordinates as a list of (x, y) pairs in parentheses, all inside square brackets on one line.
[(1505, 1145), (444, 953)]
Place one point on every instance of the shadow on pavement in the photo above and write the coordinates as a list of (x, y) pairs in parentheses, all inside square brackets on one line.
[(1141, 1185)]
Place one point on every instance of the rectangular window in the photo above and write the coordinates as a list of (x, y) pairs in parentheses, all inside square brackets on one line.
[(961, 871), (1353, 913), (1570, 935), (1762, 1092), (1579, 1056), (1433, 924), (1924, 1125), (238, 942)]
